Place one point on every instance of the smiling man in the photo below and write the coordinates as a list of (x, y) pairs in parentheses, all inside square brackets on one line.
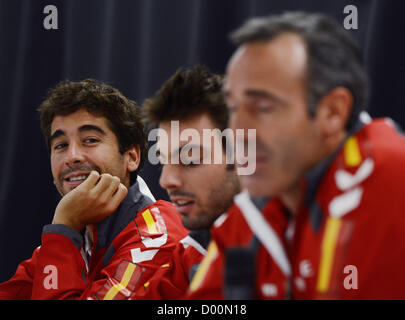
[(201, 190), (108, 235)]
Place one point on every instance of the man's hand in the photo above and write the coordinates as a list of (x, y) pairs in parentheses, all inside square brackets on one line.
[(90, 202)]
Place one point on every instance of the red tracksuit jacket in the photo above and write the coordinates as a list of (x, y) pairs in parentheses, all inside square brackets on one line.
[(173, 278), (128, 247), (238, 264), (349, 241)]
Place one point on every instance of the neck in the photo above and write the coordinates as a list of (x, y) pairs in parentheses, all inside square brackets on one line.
[(89, 229), (291, 198), (332, 143)]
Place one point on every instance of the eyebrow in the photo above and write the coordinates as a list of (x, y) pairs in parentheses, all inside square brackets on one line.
[(190, 147), (264, 94), (254, 93), (91, 127), (58, 133), (179, 150), (87, 127)]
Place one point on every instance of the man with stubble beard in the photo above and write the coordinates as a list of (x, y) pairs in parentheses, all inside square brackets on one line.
[(200, 188)]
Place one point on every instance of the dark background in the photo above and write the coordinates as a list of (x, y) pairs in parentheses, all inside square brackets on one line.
[(135, 45)]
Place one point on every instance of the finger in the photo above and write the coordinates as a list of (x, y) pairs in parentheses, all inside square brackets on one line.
[(119, 196), (112, 187), (103, 184), (116, 199), (91, 180)]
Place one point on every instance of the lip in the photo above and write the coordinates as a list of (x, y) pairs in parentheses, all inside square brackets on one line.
[(259, 161), (262, 161), (183, 209), (74, 184)]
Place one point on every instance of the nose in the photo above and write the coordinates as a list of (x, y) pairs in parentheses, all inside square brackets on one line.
[(241, 118), (74, 155), (170, 178)]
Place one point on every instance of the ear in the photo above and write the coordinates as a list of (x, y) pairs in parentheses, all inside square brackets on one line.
[(133, 155), (333, 111)]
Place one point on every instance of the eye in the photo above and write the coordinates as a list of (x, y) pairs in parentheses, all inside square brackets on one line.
[(59, 146), (191, 164), (91, 140), (190, 156), (264, 107)]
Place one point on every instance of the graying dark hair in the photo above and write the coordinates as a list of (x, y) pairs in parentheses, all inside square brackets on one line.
[(334, 58)]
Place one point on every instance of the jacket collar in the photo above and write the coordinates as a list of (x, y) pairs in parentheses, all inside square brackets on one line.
[(314, 177), (138, 197)]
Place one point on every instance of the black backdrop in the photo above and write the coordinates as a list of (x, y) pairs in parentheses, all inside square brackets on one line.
[(135, 45)]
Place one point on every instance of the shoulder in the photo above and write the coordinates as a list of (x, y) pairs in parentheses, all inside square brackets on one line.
[(157, 222), (367, 173), (386, 142), (373, 155), (160, 210), (160, 215), (163, 207)]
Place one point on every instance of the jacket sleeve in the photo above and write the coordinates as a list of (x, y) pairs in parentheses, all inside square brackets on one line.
[(137, 252), (19, 287), (168, 282), (60, 272), (172, 279)]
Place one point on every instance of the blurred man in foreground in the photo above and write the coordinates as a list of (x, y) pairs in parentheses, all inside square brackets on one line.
[(337, 175)]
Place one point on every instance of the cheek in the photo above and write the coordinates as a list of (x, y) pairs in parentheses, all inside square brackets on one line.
[(272, 126), (114, 164), (102, 156), (211, 178), (55, 165), (298, 148)]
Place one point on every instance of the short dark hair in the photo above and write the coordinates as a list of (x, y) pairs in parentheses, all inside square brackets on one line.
[(334, 58), (122, 114), (188, 93)]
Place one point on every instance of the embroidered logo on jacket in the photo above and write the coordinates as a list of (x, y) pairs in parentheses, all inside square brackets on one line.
[(122, 284)]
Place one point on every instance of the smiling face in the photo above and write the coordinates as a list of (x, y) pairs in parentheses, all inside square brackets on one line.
[(200, 192), (266, 90), (82, 142)]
